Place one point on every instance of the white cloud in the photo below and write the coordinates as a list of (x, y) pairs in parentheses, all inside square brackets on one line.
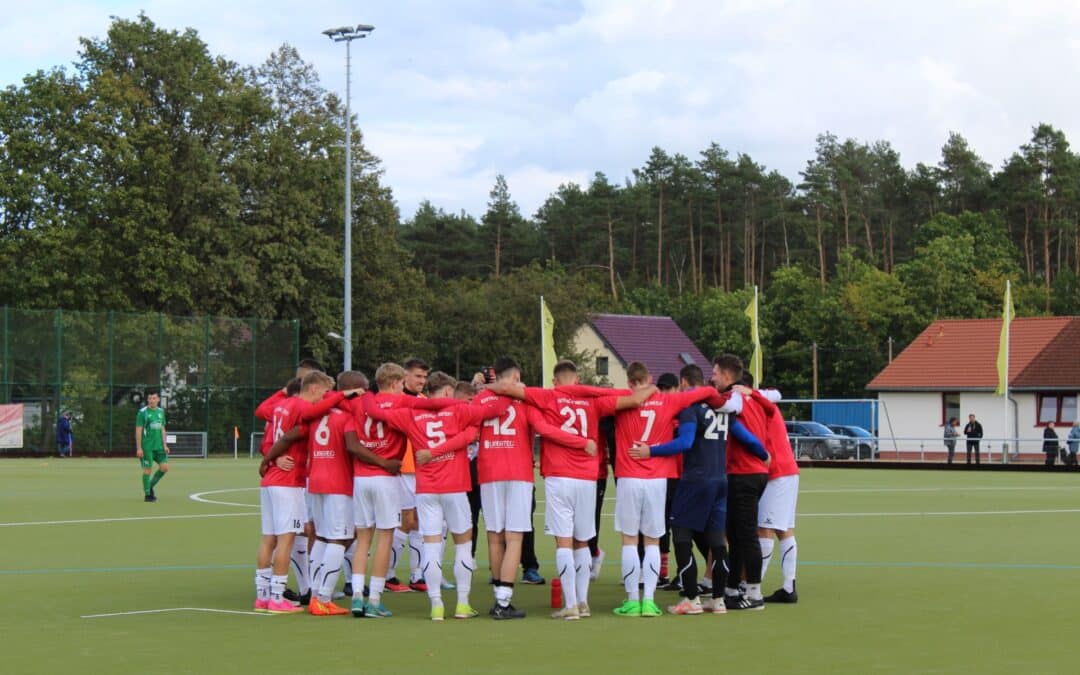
[(449, 94)]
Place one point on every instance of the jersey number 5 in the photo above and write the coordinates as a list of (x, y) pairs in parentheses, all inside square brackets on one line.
[(436, 436)]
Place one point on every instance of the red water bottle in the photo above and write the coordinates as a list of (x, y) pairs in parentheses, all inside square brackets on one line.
[(556, 593)]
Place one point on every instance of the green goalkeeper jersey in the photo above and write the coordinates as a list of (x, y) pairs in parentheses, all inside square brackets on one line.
[(152, 421)]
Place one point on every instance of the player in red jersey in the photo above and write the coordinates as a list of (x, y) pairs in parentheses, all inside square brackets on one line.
[(439, 439), (776, 508), (505, 474), (376, 489), (282, 494), (570, 471), (641, 490), (330, 486), (748, 473)]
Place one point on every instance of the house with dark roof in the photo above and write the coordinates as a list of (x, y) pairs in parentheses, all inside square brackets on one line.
[(950, 370), (617, 340)]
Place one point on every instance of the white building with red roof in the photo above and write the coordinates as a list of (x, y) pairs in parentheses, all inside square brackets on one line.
[(950, 370)]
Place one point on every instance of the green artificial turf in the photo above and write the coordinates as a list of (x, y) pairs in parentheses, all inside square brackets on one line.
[(900, 572)]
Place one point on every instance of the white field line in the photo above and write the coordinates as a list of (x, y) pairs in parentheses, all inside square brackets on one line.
[(199, 497), (125, 520), (173, 609)]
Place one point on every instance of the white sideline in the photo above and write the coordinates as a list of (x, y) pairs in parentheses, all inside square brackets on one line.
[(124, 520), (172, 609)]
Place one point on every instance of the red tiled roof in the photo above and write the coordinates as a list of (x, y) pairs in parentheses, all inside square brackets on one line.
[(656, 341), (962, 354)]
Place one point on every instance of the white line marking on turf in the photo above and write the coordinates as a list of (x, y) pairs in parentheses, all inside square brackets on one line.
[(199, 497), (124, 520), (942, 489), (936, 513), (173, 609)]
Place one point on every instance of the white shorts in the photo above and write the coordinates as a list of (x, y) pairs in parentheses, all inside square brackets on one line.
[(507, 505), (333, 516), (435, 509), (570, 508), (406, 491), (376, 502), (309, 507), (639, 506), (776, 508), (282, 509)]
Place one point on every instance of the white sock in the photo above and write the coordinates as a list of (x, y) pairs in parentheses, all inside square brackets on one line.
[(442, 544), (277, 586), (564, 565), (631, 572), (463, 569), (432, 568), (767, 544), (503, 595), (396, 549), (346, 564), (650, 571), (377, 585), (789, 554), (318, 550), (753, 591), (331, 563), (262, 583), (416, 555), (357, 585), (582, 568), (299, 563)]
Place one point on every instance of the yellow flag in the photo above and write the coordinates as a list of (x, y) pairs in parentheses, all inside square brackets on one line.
[(755, 339), (547, 344), (1008, 313)]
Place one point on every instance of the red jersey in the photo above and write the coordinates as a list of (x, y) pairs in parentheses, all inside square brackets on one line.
[(506, 441), (286, 415), (265, 411), (445, 433), (579, 417), (380, 438), (782, 462), (329, 461), (653, 423), (754, 416), (289, 412)]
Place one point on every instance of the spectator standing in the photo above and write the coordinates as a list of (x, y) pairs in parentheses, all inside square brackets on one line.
[(951, 434), (63, 434), (1073, 443), (1051, 445), (974, 433)]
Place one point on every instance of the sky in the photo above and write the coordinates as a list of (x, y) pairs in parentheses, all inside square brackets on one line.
[(449, 94)]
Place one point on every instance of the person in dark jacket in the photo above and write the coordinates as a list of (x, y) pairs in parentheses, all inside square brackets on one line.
[(973, 431), (950, 436), (63, 434), (1051, 445)]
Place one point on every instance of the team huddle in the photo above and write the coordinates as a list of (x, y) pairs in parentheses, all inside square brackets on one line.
[(356, 471)]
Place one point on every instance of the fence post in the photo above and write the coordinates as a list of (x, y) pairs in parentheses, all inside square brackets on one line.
[(7, 360), (206, 390), (922, 450), (112, 400), (59, 367)]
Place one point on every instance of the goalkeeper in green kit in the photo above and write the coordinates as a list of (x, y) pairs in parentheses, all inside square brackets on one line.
[(150, 445)]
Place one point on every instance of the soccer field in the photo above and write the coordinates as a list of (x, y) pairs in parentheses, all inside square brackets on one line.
[(900, 572)]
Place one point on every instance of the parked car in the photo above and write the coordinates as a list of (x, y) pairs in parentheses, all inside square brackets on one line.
[(867, 444), (817, 441)]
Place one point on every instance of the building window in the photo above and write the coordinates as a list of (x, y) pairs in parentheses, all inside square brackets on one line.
[(950, 407), (601, 365), (1056, 408)]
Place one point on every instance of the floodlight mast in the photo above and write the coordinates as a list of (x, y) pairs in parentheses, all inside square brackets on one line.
[(347, 34)]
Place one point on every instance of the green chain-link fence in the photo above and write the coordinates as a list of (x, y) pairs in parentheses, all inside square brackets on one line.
[(211, 372)]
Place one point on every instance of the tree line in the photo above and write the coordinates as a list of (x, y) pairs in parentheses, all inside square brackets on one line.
[(155, 176)]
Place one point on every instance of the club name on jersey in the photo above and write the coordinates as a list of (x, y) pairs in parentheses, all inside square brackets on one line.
[(499, 445)]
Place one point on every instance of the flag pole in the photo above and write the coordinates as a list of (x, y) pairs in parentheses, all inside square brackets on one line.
[(1008, 329)]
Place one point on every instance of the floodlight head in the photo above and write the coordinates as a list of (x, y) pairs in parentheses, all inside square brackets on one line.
[(364, 28)]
